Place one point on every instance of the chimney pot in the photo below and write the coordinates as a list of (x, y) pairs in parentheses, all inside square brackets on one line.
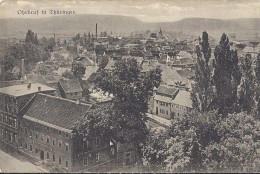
[(39, 88), (29, 86)]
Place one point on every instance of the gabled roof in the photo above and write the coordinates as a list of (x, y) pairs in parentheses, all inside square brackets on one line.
[(71, 85), (186, 73), (183, 99), (56, 111), (250, 50), (51, 79), (167, 90), (110, 65), (184, 54)]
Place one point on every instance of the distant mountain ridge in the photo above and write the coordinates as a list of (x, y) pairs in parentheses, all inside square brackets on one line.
[(70, 25)]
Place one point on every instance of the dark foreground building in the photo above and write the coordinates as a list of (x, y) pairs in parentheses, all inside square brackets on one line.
[(46, 134)]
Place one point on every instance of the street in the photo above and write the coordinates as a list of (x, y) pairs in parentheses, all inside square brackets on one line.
[(10, 164)]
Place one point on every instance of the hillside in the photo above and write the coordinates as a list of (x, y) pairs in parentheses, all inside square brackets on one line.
[(70, 25)]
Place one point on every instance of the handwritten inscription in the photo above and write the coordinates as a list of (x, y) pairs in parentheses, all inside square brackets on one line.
[(45, 12)]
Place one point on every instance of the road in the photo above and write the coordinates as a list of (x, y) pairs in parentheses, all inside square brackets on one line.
[(10, 164)]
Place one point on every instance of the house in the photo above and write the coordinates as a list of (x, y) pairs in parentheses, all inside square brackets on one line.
[(70, 89), (12, 100), (181, 103), (184, 54), (162, 100), (169, 101), (252, 51), (49, 137)]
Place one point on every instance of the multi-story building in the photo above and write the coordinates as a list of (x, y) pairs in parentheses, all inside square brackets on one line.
[(46, 133), (169, 101), (12, 100)]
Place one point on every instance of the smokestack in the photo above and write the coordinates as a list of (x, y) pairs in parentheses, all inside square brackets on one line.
[(96, 30), (22, 68)]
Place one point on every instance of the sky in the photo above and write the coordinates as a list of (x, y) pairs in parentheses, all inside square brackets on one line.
[(144, 10)]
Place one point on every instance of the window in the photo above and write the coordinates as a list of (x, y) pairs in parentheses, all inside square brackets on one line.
[(21, 144), (21, 130), (25, 146), (25, 131), (36, 150), (167, 104), (42, 137), (67, 147), (31, 134), (30, 148), (85, 144), (36, 135), (53, 142), (85, 161), (98, 141), (97, 157), (15, 122), (47, 128), (59, 160), (59, 132), (67, 135), (53, 157), (166, 112), (48, 140), (67, 164), (47, 155), (59, 144), (157, 101), (75, 93)]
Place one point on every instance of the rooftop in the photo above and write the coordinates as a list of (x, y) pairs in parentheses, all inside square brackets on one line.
[(167, 90), (20, 90), (71, 85), (183, 99), (56, 111)]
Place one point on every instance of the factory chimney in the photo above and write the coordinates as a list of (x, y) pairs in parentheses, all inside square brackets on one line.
[(96, 31)]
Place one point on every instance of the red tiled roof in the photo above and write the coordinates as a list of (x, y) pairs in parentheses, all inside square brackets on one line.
[(56, 111)]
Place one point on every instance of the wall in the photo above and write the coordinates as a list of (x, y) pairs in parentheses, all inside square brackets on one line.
[(37, 135)]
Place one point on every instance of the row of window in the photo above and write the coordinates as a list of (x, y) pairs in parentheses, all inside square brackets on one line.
[(75, 93), (176, 105), (49, 129), (48, 139), (25, 146), (8, 120), (8, 135), (162, 111)]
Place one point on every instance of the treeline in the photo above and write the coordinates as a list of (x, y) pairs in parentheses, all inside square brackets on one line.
[(29, 50), (222, 133)]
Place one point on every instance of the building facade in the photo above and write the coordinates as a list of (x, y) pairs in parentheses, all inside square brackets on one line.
[(169, 101), (48, 136), (12, 100)]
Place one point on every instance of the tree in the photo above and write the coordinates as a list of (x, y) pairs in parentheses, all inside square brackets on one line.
[(78, 69), (206, 142), (67, 75), (130, 102), (226, 76), (257, 95), (202, 92), (246, 97)]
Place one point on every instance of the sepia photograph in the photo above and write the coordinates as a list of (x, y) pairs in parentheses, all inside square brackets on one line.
[(130, 86)]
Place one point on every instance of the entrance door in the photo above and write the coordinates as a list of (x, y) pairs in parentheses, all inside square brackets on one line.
[(42, 155), (156, 112)]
